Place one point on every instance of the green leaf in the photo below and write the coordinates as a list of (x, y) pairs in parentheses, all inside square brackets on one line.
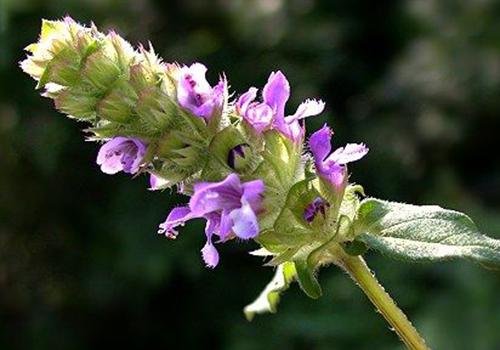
[(423, 233), (268, 300), (271, 240)]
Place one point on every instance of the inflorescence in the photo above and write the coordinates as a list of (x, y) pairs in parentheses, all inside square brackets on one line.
[(240, 160)]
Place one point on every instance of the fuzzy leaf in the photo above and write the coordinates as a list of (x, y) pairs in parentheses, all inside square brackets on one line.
[(423, 233), (268, 300)]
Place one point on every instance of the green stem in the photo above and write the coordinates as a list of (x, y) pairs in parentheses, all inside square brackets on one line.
[(356, 267)]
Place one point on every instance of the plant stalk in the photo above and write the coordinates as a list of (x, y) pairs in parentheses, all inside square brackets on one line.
[(356, 267)]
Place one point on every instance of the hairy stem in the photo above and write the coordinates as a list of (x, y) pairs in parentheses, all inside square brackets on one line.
[(356, 267)]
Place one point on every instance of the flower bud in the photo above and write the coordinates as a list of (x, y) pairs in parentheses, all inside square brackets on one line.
[(118, 104), (100, 71)]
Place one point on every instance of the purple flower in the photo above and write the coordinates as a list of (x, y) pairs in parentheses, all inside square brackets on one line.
[(317, 206), (230, 208), (332, 167), (195, 93), (259, 115), (121, 154), (271, 112)]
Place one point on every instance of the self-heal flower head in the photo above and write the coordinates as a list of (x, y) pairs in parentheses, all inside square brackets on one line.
[(196, 95), (230, 208), (271, 112), (332, 167), (121, 154)]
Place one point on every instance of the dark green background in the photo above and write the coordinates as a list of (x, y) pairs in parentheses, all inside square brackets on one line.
[(81, 265)]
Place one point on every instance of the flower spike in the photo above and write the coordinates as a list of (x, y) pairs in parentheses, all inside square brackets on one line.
[(243, 165)]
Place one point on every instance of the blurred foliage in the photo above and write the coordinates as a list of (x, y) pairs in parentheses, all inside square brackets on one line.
[(418, 80)]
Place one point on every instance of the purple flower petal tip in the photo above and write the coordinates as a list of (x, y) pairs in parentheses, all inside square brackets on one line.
[(350, 153), (319, 142), (153, 182), (276, 93), (210, 255), (245, 100), (177, 217)]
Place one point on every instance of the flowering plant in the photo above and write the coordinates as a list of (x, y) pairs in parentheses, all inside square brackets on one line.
[(248, 168)]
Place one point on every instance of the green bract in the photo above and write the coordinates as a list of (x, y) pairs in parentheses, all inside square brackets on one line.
[(268, 300)]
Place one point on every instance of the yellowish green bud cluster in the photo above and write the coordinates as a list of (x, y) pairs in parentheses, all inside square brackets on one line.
[(101, 79)]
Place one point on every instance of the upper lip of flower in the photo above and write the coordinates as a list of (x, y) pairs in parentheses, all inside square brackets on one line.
[(332, 165), (195, 93), (275, 94)]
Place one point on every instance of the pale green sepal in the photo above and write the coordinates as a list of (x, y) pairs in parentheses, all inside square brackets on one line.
[(279, 259), (76, 103), (284, 155), (100, 71), (269, 298), (118, 104), (62, 69), (270, 240), (261, 252), (50, 27)]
